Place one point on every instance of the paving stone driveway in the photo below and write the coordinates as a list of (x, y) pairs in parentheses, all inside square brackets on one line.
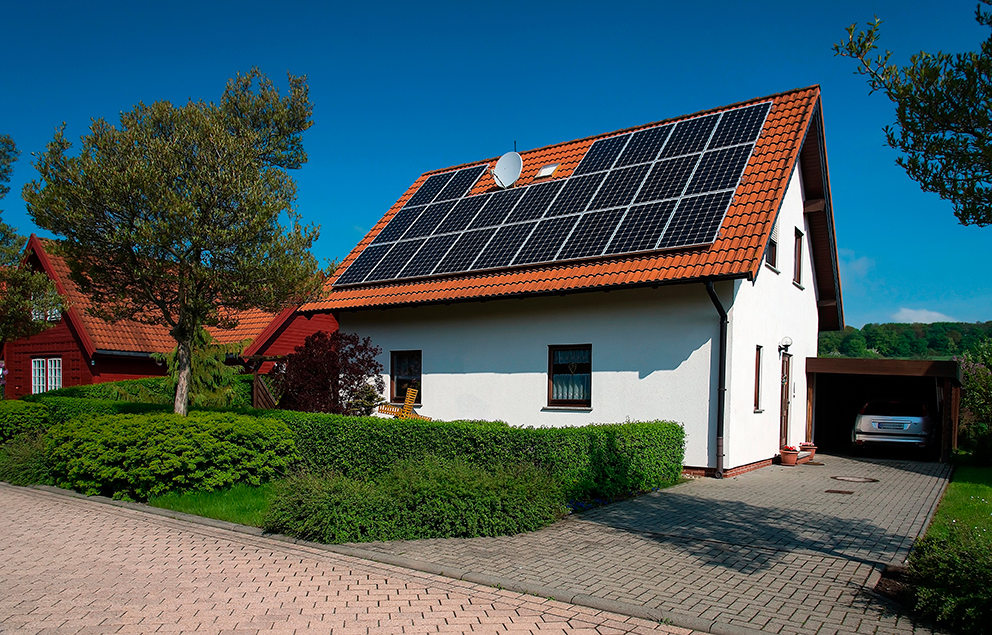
[(770, 550), (78, 566)]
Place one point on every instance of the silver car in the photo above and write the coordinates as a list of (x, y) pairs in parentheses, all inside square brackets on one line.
[(893, 422)]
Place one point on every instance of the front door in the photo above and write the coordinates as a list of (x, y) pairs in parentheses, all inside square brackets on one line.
[(783, 435)]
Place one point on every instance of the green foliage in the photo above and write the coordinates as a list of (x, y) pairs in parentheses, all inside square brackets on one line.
[(952, 565), (137, 456), (241, 503), (24, 460), (17, 417), (912, 341), (62, 409), (427, 498), (149, 390), (25, 294), (175, 217), (589, 461), (212, 382), (943, 122)]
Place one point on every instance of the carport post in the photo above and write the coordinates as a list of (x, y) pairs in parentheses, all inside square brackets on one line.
[(945, 421)]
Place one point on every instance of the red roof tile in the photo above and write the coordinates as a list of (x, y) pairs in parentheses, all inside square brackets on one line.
[(737, 251), (128, 335)]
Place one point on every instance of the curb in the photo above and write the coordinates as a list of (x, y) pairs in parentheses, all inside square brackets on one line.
[(680, 620)]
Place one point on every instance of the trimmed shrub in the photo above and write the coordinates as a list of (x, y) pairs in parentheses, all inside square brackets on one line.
[(590, 461), (62, 409), (24, 460), (17, 417), (133, 457), (953, 577), (429, 498), (149, 390)]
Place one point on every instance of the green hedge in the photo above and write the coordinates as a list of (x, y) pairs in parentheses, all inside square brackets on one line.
[(24, 460), (17, 417), (62, 409), (428, 498), (590, 461), (953, 576), (137, 456)]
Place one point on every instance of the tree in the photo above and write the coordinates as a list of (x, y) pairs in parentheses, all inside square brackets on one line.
[(212, 380), (943, 122), (336, 372), (27, 298), (174, 217)]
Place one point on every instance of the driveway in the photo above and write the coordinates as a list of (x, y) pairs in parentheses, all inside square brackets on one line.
[(778, 550)]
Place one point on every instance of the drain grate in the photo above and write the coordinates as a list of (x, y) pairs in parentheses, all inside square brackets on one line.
[(838, 491), (855, 479)]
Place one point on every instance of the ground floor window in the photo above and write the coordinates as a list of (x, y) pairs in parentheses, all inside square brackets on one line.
[(570, 375), (46, 374), (405, 372)]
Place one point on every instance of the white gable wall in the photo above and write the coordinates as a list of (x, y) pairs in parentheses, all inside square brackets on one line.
[(654, 356), (766, 311)]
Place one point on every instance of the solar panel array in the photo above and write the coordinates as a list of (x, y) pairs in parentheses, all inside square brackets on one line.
[(664, 187)]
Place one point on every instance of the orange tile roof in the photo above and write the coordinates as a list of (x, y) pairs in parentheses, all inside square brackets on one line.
[(737, 252), (127, 335)]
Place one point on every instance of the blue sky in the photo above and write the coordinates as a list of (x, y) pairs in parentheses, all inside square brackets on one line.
[(402, 89)]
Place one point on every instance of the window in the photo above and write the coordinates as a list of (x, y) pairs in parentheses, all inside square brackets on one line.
[(570, 375), (405, 372), (798, 275), (757, 379), (46, 374), (771, 254)]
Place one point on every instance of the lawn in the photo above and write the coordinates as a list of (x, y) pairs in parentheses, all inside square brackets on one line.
[(966, 503), (243, 504)]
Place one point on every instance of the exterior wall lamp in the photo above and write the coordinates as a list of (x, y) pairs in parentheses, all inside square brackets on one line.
[(783, 346)]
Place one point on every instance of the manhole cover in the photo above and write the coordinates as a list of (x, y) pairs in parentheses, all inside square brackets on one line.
[(812, 463), (855, 479), (838, 491)]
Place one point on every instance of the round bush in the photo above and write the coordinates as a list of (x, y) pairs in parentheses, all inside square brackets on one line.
[(17, 417)]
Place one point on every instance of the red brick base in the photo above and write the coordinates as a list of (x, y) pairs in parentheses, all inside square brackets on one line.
[(710, 472)]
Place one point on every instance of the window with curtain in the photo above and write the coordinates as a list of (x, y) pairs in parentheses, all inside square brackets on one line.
[(570, 375), (405, 372)]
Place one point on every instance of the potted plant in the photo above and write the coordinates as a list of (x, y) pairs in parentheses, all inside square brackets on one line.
[(790, 454), (808, 447)]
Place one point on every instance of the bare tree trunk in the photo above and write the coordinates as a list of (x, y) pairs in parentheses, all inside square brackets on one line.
[(183, 373)]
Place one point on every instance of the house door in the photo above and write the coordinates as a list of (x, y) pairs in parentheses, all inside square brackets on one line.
[(783, 435)]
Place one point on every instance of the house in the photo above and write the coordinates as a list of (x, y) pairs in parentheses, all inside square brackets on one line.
[(675, 270), (82, 349)]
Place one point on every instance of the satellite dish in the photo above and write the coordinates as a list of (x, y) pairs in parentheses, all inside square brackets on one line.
[(507, 169)]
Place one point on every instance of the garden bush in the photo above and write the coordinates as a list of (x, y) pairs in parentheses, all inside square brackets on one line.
[(24, 460), (427, 498), (953, 577), (62, 409), (149, 390), (590, 461), (17, 417), (140, 455)]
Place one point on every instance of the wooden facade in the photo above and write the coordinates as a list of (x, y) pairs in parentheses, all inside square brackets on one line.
[(289, 331)]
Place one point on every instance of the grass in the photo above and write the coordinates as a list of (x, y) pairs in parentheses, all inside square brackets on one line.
[(967, 503), (241, 503)]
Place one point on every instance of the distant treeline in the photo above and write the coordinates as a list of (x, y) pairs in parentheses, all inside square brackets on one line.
[(917, 341)]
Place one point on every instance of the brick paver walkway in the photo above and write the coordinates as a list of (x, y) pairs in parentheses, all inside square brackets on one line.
[(69, 565), (771, 550)]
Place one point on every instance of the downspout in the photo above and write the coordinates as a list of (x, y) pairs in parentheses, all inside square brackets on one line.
[(721, 390)]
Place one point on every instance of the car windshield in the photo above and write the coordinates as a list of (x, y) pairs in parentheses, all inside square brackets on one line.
[(895, 409)]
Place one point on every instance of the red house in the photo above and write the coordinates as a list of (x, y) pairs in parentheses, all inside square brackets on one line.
[(82, 349)]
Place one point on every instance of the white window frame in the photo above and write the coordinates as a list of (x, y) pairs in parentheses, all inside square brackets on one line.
[(46, 374)]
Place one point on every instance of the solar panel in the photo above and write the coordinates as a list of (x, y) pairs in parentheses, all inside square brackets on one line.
[(696, 221), (644, 145), (504, 245), (619, 187), (429, 189), (497, 209), (535, 202), (546, 240), (602, 154), (461, 183), (664, 187)]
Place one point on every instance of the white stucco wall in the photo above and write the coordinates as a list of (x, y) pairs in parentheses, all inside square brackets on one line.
[(765, 311), (653, 357)]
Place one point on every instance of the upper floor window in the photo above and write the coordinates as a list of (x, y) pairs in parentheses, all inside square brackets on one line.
[(570, 375), (405, 372), (771, 253), (797, 276)]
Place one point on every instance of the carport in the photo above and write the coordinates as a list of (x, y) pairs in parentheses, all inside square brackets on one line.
[(838, 387)]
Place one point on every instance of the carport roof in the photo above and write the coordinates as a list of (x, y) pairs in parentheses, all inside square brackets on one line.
[(950, 369)]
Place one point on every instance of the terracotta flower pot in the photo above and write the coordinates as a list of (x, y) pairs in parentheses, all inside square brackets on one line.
[(809, 447), (789, 457)]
